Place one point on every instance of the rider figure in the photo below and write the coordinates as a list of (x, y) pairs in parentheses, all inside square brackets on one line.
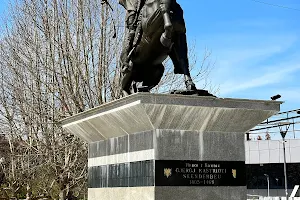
[(179, 52), (133, 8)]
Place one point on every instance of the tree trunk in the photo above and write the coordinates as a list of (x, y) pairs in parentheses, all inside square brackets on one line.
[(29, 193), (62, 195)]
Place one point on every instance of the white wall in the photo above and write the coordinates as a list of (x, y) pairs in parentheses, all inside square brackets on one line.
[(273, 198), (264, 192), (271, 151)]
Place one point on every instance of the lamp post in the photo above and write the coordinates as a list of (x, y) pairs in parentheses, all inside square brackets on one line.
[(268, 180), (283, 134)]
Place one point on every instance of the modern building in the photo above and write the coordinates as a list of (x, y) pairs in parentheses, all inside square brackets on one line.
[(264, 158)]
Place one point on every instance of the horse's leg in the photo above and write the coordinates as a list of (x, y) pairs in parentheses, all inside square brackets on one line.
[(126, 81), (128, 39), (153, 76), (166, 37)]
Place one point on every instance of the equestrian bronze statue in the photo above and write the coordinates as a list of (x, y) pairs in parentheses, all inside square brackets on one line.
[(155, 29)]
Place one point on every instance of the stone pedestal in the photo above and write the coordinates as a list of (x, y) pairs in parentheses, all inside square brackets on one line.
[(168, 147)]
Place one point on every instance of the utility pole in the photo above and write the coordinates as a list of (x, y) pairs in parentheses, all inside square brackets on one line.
[(283, 134), (268, 180)]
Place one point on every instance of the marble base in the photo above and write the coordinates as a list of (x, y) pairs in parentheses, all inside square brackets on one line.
[(168, 147)]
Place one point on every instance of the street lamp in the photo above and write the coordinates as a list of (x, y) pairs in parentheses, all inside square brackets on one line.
[(268, 180), (283, 134)]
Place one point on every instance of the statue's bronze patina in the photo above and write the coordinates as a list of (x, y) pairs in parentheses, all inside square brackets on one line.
[(155, 29)]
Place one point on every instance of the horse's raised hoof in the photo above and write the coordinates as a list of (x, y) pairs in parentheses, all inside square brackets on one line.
[(193, 93), (190, 85)]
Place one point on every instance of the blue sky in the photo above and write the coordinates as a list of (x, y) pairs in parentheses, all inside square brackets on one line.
[(4, 5), (255, 46)]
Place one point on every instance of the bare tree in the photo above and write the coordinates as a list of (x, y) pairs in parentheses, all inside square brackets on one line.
[(58, 58), (200, 71)]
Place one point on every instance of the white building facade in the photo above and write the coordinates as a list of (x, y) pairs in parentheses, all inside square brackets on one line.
[(265, 158)]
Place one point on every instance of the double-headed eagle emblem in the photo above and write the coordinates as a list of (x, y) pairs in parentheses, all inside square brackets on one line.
[(167, 172), (234, 173)]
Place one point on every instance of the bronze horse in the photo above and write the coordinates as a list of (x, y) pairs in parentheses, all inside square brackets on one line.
[(160, 33)]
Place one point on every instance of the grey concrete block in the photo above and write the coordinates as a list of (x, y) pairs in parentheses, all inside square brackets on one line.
[(223, 146), (177, 145), (194, 145), (141, 141), (200, 193)]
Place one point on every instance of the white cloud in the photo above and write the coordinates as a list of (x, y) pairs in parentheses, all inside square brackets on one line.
[(290, 95), (279, 74), (255, 62), (255, 58)]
